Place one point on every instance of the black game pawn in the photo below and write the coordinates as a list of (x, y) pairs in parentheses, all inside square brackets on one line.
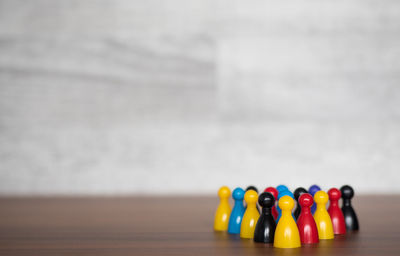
[(255, 189), (297, 193), (265, 227), (350, 216), (252, 188)]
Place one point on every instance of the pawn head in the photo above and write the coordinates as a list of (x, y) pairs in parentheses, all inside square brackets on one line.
[(347, 192), (286, 203), (224, 192), (281, 188), (251, 197), (266, 200), (334, 194), (314, 189), (298, 192), (306, 200), (252, 188), (273, 191), (238, 194), (285, 193), (321, 197)]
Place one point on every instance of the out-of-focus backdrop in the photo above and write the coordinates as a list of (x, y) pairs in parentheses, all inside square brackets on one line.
[(167, 97)]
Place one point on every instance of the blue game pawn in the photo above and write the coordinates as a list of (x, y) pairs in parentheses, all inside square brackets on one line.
[(312, 190), (236, 217), (281, 188), (280, 195)]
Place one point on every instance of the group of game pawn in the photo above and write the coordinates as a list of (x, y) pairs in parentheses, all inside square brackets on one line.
[(278, 223)]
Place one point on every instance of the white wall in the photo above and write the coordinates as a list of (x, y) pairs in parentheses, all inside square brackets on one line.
[(104, 97)]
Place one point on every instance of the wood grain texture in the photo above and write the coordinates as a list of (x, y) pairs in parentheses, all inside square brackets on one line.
[(167, 226)]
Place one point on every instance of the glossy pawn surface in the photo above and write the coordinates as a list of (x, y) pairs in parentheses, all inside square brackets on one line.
[(238, 210), (338, 223), (223, 212), (251, 187), (265, 227), (274, 192), (307, 228), (297, 193), (286, 233), (280, 195), (250, 216), (321, 216), (350, 216), (312, 190), (281, 188)]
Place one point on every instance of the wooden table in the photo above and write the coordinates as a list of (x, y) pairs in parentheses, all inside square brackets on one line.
[(168, 226)]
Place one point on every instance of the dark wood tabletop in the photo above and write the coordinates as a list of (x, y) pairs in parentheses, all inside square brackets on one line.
[(168, 226)]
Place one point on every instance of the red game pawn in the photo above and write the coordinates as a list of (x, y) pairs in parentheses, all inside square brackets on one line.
[(274, 192), (307, 227), (339, 226)]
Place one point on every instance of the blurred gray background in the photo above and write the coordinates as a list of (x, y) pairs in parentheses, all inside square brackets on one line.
[(168, 97)]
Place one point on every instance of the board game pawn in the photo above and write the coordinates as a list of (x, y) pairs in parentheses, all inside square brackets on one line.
[(307, 228), (286, 233), (281, 188), (321, 216), (312, 190), (251, 187), (284, 193), (236, 217), (250, 216), (349, 214), (339, 226), (274, 192), (223, 212), (297, 193), (265, 227)]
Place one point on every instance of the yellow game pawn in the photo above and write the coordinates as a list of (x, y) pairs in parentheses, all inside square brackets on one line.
[(223, 212), (287, 234), (250, 216), (321, 216)]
